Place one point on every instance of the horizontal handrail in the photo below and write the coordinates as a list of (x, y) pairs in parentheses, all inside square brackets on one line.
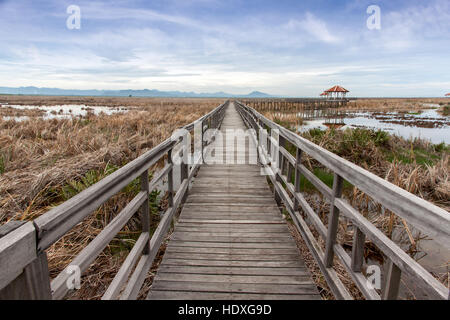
[(424, 215), (56, 222)]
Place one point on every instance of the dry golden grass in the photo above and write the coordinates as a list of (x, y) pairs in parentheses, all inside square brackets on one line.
[(43, 153), (42, 157), (392, 104)]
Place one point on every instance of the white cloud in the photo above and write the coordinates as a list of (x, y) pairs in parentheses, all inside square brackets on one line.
[(315, 27)]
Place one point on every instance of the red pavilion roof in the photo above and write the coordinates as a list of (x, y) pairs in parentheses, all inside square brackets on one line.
[(337, 89)]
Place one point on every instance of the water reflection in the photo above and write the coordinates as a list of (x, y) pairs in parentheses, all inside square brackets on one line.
[(426, 124), (65, 111)]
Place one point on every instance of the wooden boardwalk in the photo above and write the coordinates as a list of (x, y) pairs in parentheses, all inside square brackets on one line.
[(231, 241)]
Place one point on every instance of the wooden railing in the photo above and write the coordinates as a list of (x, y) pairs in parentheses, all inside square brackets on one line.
[(24, 270), (432, 220)]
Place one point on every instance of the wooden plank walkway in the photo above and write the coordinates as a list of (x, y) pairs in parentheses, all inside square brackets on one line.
[(231, 241)]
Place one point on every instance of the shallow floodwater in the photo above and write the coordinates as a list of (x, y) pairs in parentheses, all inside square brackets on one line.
[(426, 124), (65, 111)]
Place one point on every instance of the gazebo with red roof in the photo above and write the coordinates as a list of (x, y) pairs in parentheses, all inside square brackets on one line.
[(448, 94), (337, 92), (324, 94)]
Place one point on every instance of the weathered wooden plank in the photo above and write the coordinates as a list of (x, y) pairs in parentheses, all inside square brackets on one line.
[(274, 228), (229, 200), (231, 167), (228, 239), (231, 263), (227, 174), (231, 257), (230, 185), (225, 225), (206, 191), (235, 217), (242, 271), (229, 221), (231, 215), (225, 197), (253, 172), (180, 295), (266, 279), (232, 234), (234, 287), (230, 208), (240, 179), (232, 251), (255, 245)]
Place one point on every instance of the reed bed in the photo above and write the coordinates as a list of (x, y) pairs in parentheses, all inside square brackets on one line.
[(45, 162), (392, 104), (268, 106)]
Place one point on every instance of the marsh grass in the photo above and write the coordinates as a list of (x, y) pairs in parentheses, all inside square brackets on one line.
[(45, 162)]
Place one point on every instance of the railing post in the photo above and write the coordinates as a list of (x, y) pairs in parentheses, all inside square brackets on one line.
[(145, 209), (184, 174), (359, 238), (170, 178), (333, 221), (279, 167), (281, 143), (32, 284), (202, 143), (34, 281), (392, 283), (298, 162)]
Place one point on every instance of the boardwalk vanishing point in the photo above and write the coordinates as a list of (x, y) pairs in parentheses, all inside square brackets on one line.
[(231, 241)]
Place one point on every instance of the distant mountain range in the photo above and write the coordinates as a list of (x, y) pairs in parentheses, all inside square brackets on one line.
[(126, 93)]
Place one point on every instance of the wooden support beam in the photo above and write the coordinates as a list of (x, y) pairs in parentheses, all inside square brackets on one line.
[(359, 238), (145, 208), (392, 284), (333, 221)]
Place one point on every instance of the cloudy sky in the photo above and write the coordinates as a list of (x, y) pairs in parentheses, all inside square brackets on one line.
[(293, 48)]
